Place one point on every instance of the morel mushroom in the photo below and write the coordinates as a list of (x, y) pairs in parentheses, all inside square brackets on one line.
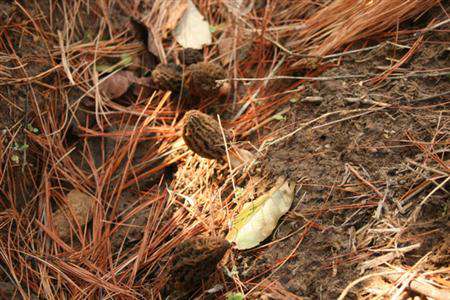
[(169, 77), (202, 80), (190, 56), (193, 262), (203, 135)]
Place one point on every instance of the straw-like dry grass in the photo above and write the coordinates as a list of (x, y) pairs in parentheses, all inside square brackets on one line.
[(59, 133)]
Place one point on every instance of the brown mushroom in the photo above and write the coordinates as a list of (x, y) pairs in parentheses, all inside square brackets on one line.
[(190, 56), (193, 262), (168, 77), (77, 211), (203, 80), (203, 135)]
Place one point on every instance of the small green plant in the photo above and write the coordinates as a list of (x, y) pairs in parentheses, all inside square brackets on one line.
[(235, 296), (238, 192), (279, 117), (15, 158), (32, 129), (20, 147)]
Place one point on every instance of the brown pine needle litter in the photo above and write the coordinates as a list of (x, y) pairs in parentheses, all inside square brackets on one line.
[(348, 98)]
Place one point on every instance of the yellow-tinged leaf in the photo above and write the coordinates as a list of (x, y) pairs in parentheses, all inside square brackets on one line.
[(258, 218)]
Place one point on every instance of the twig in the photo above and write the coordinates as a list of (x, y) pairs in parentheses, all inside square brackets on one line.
[(418, 285), (353, 51), (298, 78), (227, 152), (351, 285), (427, 167), (357, 175)]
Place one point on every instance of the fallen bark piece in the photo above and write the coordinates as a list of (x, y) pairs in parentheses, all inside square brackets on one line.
[(77, 212), (419, 285)]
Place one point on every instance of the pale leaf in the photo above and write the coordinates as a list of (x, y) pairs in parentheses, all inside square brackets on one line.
[(258, 218), (176, 12), (192, 30)]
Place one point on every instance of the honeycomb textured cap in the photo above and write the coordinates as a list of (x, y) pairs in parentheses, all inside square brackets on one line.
[(203, 135), (201, 79), (190, 56), (168, 77), (194, 260)]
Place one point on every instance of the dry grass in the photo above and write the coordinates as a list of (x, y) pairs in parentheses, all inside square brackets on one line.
[(43, 92)]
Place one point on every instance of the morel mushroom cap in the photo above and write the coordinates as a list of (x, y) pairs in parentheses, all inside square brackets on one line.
[(190, 56), (168, 77), (195, 260), (203, 135), (201, 79)]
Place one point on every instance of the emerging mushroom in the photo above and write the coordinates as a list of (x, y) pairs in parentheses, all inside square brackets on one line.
[(78, 211)]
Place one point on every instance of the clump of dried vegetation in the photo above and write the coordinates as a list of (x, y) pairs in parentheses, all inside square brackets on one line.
[(62, 132)]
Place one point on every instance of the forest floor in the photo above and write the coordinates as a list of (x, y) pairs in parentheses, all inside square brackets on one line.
[(360, 123)]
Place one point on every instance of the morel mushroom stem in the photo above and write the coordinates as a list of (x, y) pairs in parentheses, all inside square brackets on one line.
[(204, 136)]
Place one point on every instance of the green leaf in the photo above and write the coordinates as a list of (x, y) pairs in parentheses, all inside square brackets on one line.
[(125, 60), (104, 68), (293, 100), (258, 218), (235, 296), (279, 117), (212, 29)]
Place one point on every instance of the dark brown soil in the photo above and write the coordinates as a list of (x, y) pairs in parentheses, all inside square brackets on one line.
[(376, 145)]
